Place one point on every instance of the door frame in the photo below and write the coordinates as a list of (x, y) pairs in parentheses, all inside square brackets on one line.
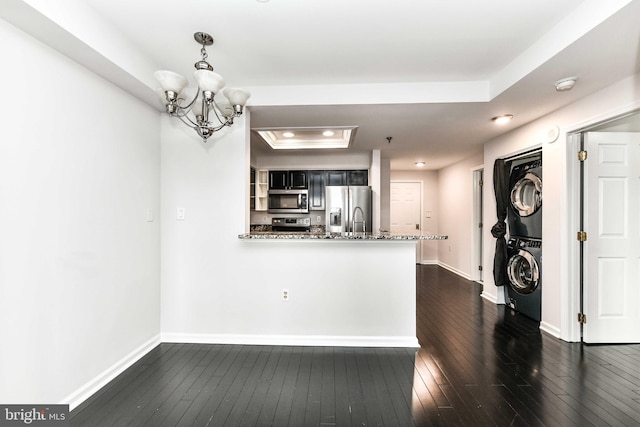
[(571, 294), (412, 181), (477, 258)]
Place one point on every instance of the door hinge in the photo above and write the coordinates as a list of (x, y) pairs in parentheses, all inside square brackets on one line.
[(479, 268), (582, 155), (480, 225), (481, 183), (582, 318), (582, 236)]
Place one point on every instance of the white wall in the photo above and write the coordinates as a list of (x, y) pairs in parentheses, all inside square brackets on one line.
[(202, 259), (79, 263), (455, 204), (559, 274), (430, 195)]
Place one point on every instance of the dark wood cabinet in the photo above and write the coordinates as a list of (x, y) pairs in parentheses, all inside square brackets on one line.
[(336, 178), (316, 190), (278, 180), (285, 180), (347, 177), (298, 180), (358, 177)]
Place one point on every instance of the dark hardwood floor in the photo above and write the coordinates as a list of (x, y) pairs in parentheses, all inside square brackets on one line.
[(478, 365)]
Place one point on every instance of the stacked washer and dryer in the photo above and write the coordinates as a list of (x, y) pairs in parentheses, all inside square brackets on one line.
[(524, 219)]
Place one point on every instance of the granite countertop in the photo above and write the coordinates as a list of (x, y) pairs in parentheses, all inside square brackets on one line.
[(330, 236)]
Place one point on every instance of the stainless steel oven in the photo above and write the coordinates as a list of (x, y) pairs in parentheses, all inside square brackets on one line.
[(288, 201)]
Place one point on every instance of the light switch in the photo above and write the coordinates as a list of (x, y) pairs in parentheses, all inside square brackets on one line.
[(149, 215), (180, 212), (428, 214)]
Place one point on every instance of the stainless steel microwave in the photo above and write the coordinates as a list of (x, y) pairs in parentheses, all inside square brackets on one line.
[(288, 201)]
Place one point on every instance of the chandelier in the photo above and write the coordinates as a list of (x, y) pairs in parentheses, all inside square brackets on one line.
[(200, 111)]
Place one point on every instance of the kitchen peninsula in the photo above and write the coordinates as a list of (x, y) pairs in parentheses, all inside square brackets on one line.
[(339, 290)]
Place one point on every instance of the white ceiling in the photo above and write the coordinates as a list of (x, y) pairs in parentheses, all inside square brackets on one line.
[(429, 73)]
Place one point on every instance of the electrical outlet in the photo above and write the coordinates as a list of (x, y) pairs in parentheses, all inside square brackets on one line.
[(180, 213), (449, 248), (285, 295), (318, 218)]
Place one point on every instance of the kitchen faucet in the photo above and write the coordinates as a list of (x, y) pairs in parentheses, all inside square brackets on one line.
[(353, 221)]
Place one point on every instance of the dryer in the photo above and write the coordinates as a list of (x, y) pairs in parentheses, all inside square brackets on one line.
[(524, 269), (524, 215)]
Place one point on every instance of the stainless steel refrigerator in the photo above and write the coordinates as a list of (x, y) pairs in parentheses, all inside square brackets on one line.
[(348, 209)]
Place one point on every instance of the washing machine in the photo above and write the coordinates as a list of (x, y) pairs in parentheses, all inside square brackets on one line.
[(524, 269), (524, 216)]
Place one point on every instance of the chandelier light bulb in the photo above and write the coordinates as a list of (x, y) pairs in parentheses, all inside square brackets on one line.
[(209, 81), (237, 96), (170, 81)]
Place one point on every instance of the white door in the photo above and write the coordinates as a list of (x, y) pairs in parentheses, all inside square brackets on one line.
[(612, 221), (477, 226), (405, 211)]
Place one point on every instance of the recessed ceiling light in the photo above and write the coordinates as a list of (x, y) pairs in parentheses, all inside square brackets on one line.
[(565, 84), (420, 164), (288, 134), (505, 118), (328, 133)]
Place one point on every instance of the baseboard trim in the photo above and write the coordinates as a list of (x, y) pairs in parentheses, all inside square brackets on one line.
[(550, 329), (93, 386), (293, 340), (490, 298), (454, 270)]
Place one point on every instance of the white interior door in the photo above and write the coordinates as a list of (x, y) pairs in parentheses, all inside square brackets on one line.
[(477, 256), (612, 221), (405, 211)]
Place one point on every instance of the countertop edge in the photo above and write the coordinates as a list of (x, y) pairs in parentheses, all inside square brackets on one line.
[(337, 237)]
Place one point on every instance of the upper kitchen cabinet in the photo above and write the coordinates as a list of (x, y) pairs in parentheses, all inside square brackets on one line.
[(299, 179), (286, 180), (358, 177), (336, 178), (316, 190), (347, 177)]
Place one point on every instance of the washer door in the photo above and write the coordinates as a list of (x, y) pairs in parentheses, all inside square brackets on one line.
[(526, 194), (523, 272)]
